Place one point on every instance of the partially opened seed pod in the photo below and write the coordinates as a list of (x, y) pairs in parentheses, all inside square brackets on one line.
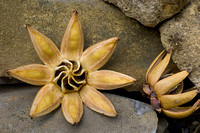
[(166, 90)]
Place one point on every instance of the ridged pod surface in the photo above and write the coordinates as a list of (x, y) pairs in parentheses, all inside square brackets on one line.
[(165, 90)]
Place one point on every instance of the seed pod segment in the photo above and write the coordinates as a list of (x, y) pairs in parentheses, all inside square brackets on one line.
[(72, 107), (48, 98), (45, 48), (35, 74), (170, 101), (97, 101), (154, 63), (98, 54), (166, 84), (158, 69), (73, 41), (107, 80), (181, 112)]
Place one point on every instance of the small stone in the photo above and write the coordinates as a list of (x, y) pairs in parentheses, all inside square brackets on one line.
[(195, 123), (150, 12), (136, 49), (133, 116), (162, 125), (182, 34)]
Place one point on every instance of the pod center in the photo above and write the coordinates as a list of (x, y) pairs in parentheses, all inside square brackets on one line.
[(70, 76)]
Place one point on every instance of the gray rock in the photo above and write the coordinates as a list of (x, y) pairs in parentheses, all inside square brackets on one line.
[(136, 49), (15, 102), (162, 125), (182, 33), (5, 80), (150, 12)]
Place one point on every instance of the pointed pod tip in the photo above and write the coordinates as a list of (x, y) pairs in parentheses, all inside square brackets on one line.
[(113, 41), (198, 103), (75, 12), (146, 89), (116, 38), (30, 116), (9, 73), (189, 70), (198, 91), (145, 84), (114, 114), (27, 25), (133, 79), (74, 123), (159, 110), (169, 50)]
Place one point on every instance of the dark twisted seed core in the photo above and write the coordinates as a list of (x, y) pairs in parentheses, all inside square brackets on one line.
[(70, 76)]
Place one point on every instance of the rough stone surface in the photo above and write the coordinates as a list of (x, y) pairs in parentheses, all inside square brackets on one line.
[(15, 102), (150, 12), (136, 49), (182, 33)]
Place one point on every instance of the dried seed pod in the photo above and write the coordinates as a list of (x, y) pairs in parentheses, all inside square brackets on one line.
[(165, 90)]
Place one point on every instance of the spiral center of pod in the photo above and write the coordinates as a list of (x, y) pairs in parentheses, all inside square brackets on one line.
[(70, 76)]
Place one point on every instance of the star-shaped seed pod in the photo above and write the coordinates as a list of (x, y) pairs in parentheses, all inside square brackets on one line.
[(166, 90), (71, 77)]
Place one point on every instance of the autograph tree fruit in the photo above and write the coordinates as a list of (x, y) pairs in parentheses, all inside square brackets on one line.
[(165, 90), (71, 77)]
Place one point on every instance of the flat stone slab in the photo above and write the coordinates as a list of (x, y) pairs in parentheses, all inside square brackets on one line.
[(15, 102), (136, 49), (182, 33)]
